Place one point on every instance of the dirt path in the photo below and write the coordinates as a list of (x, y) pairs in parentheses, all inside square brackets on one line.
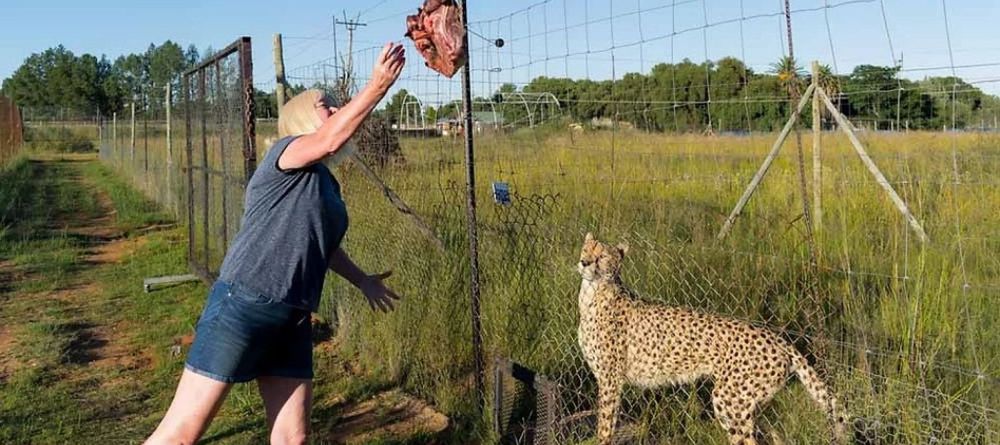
[(71, 321), (94, 342)]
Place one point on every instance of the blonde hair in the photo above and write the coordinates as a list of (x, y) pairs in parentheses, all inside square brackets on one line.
[(298, 117)]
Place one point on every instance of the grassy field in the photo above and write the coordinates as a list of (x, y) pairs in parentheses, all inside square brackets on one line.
[(87, 357), (903, 330)]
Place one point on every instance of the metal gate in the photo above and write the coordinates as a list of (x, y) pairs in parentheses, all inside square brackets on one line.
[(220, 134)]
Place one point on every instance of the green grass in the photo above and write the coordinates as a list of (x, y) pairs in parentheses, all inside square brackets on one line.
[(33, 200), (903, 353), (90, 357), (909, 348), (69, 138)]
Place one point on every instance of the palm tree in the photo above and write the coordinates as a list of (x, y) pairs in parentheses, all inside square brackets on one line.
[(789, 74), (829, 82)]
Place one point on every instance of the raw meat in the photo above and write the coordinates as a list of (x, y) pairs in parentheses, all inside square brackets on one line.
[(438, 33)]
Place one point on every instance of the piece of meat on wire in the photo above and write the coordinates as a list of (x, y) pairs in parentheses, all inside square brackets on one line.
[(438, 33)]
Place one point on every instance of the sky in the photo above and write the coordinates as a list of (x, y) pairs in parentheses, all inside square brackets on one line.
[(596, 39)]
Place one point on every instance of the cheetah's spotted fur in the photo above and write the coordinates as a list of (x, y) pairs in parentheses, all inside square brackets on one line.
[(627, 341)]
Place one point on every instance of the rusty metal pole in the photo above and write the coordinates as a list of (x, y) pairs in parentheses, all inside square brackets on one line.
[(470, 170), (249, 108), (189, 166)]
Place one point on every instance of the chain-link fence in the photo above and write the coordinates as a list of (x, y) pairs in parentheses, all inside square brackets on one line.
[(11, 131), (899, 329), (192, 149), (220, 142), (144, 142), (61, 129)]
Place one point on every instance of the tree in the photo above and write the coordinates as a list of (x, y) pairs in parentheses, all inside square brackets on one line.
[(789, 74), (450, 110), (56, 80), (191, 56), (869, 91), (953, 95), (166, 63), (430, 115), (729, 83), (395, 106), (133, 70), (266, 104)]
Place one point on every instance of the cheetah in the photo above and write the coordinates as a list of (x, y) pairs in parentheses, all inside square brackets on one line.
[(627, 341)]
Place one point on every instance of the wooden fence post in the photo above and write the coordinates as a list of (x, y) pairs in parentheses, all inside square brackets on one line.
[(132, 139), (114, 135), (817, 129), (759, 176), (879, 177), (279, 72)]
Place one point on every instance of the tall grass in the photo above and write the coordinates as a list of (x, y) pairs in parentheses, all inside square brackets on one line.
[(902, 329)]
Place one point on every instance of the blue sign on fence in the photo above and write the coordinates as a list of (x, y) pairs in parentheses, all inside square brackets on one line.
[(501, 193)]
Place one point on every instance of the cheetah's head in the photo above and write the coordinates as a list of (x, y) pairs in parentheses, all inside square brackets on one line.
[(599, 260)]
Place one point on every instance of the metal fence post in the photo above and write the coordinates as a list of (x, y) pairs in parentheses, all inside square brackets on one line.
[(220, 98), (145, 142), (470, 169), (189, 166), (817, 130), (168, 103), (249, 112), (205, 178)]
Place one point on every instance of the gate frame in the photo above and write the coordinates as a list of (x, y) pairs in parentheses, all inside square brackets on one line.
[(243, 48)]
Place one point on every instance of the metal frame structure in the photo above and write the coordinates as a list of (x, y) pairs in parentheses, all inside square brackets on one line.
[(532, 102), (404, 113), (231, 175)]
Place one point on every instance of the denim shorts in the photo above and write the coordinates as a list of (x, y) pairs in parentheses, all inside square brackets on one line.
[(242, 335)]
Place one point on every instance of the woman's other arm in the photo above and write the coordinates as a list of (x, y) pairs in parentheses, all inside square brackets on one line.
[(378, 295)]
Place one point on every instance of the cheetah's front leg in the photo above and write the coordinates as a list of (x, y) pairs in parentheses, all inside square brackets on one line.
[(608, 400)]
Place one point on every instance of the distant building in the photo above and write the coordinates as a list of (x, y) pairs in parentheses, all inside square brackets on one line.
[(448, 127), (487, 121), (482, 121)]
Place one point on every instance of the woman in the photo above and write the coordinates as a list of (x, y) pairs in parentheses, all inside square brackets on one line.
[(256, 324)]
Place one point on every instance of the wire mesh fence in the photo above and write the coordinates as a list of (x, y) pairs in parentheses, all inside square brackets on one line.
[(192, 149), (654, 149), (220, 143), (144, 142), (60, 129), (11, 131)]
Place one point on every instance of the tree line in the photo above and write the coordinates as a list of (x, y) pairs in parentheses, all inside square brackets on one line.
[(728, 96), (723, 95), (57, 81)]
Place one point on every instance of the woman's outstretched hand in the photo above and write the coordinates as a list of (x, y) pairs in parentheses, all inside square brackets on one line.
[(388, 66), (378, 295)]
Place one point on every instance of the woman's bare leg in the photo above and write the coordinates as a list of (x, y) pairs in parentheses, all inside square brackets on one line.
[(288, 403), (195, 403)]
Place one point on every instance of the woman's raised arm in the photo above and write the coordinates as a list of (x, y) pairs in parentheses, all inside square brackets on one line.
[(338, 128)]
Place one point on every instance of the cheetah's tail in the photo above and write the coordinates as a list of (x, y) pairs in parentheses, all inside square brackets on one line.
[(822, 395)]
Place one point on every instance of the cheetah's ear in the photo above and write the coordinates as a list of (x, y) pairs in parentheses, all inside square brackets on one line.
[(623, 248), (589, 238)]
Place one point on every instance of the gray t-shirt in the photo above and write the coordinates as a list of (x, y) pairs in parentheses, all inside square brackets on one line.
[(293, 222)]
